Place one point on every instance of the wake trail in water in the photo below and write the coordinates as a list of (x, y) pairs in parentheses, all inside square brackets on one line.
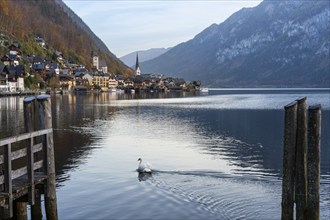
[(222, 195)]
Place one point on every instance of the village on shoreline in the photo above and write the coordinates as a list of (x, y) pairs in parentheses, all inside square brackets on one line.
[(60, 76)]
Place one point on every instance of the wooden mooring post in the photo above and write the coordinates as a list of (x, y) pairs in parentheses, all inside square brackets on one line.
[(301, 170), (289, 158), (45, 120), (313, 162), (300, 176), (24, 185)]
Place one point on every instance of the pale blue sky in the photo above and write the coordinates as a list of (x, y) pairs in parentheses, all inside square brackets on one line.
[(131, 25)]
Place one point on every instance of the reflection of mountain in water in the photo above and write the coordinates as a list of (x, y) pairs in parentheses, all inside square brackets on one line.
[(249, 138)]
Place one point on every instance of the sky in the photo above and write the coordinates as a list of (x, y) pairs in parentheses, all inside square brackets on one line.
[(126, 26)]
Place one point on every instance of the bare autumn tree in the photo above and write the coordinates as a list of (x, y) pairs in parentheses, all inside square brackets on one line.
[(54, 83), (128, 72)]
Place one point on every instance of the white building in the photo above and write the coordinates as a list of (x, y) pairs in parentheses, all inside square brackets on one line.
[(113, 83), (10, 81), (15, 86), (103, 66), (96, 61), (4, 83)]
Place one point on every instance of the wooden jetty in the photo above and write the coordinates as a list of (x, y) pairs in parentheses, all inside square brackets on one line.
[(27, 165), (22, 93)]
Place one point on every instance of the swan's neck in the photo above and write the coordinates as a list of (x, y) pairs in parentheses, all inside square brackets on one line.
[(140, 161)]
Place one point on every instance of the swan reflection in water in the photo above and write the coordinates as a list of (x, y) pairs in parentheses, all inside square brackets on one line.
[(144, 170), (144, 176)]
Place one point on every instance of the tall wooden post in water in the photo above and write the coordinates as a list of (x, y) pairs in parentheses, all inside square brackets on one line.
[(20, 205), (45, 119), (30, 110), (289, 149), (300, 177), (301, 186), (313, 162)]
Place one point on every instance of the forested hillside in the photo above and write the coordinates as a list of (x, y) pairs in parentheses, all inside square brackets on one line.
[(24, 20)]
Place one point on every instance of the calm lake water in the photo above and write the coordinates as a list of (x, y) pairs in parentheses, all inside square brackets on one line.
[(215, 155)]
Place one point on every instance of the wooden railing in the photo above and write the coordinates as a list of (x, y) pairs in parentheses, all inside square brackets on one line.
[(27, 166), (27, 172)]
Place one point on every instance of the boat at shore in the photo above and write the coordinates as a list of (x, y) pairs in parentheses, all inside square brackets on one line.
[(204, 90)]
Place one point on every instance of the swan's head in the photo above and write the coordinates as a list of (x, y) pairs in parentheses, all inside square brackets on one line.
[(139, 160)]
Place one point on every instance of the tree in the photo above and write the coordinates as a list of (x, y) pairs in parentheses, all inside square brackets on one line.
[(128, 72), (54, 83)]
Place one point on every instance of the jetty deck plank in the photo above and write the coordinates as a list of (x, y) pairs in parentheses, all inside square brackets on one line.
[(21, 184)]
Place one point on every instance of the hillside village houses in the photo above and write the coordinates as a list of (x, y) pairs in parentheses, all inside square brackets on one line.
[(77, 77)]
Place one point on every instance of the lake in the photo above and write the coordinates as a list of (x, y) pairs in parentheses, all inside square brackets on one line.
[(215, 155)]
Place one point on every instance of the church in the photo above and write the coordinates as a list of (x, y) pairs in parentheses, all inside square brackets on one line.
[(137, 66)]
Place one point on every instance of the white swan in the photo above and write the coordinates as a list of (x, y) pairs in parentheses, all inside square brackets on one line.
[(144, 168)]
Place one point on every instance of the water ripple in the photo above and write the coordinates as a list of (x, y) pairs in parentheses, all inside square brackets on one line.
[(223, 195)]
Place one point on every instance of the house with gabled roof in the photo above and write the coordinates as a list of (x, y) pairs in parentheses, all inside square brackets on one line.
[(89, 77), (37, 60), (79, 74), (11, 78), (55, 67), (14, 49), (10, 59), (101, 81), (18, 70), (67, 82), (3, 78), (128, 82), (52, 66), (40, 41), (40, 69), (103, 66), (120, 79), (65, 71), (59, 56), (113, 83), (83, 78)]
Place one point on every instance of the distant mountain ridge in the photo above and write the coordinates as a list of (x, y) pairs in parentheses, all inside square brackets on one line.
[(144, 55), (275, 44)]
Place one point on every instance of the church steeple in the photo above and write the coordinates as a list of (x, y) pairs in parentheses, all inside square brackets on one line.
[(137, 66)]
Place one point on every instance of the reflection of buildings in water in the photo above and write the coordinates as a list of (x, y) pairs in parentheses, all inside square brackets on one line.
[(11, 116), (76, 116)]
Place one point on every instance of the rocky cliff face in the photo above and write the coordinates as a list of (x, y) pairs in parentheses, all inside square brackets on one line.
[(277, 43)]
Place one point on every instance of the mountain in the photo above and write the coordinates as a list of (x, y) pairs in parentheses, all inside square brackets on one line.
[(144, 55), (275, 44), (61, 28), (79, 22)]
